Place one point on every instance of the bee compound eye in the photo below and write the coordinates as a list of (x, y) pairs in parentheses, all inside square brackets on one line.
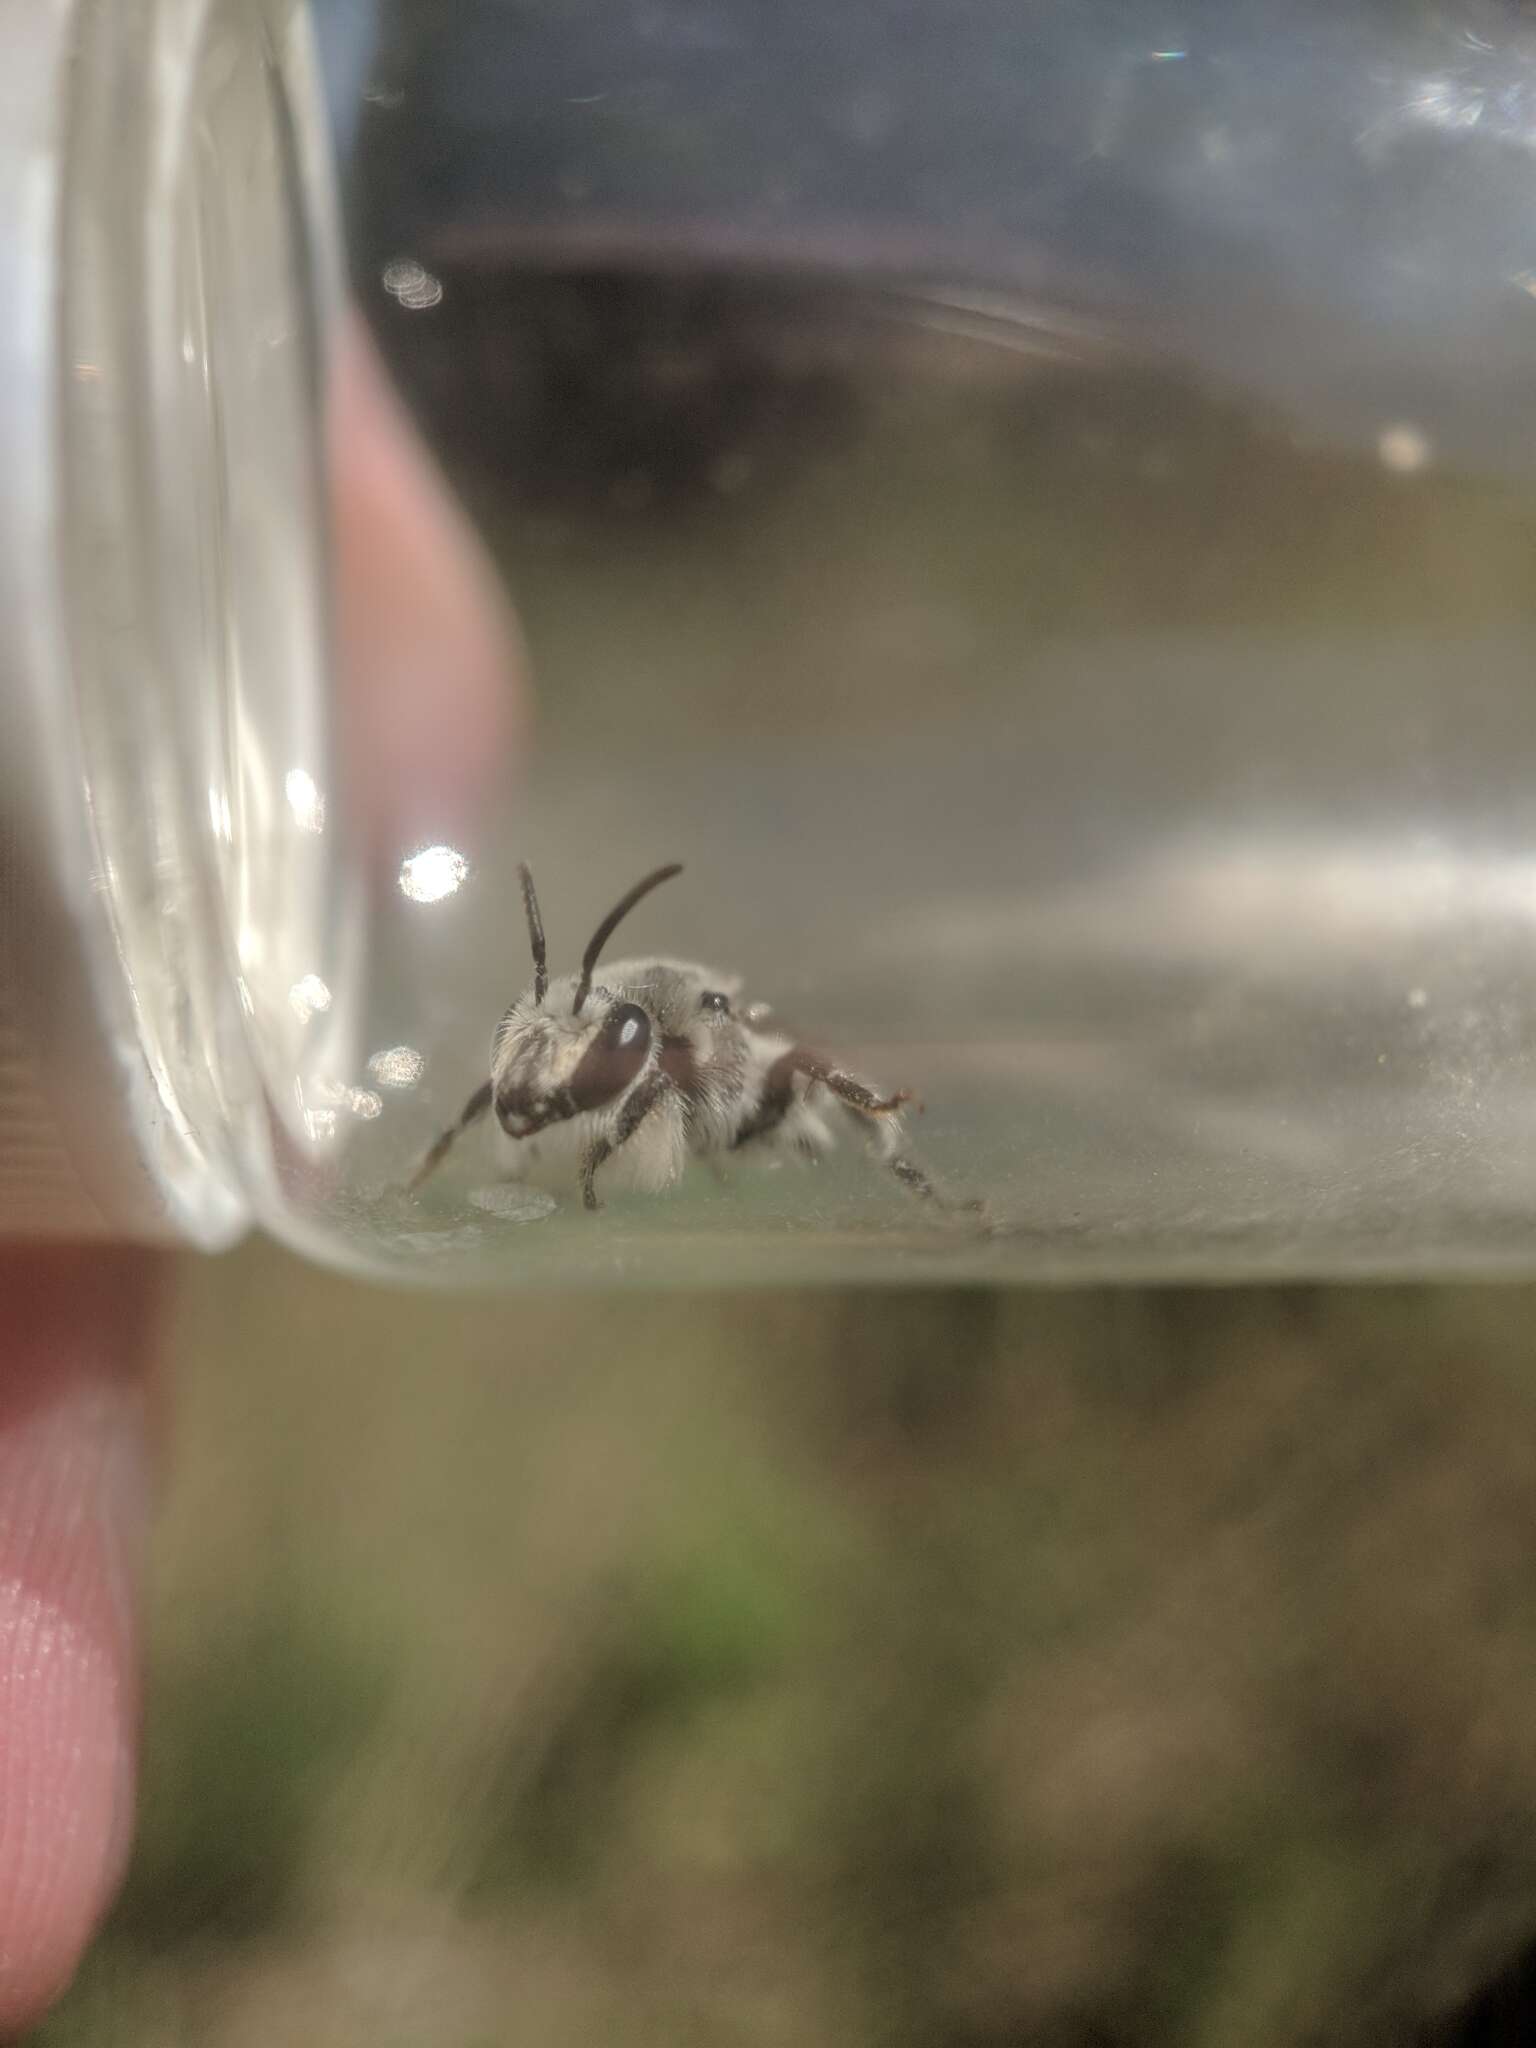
[(614, 1058), (628, 1029)]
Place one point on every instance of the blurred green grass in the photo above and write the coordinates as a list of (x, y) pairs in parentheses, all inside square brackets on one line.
[(944, 1669)]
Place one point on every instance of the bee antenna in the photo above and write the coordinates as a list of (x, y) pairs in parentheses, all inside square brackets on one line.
[(535, 933), (615, 917)]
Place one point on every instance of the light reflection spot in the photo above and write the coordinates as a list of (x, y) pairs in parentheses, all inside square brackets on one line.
[(364, 1103), (413, 286), (308, 995), (432, 874), (304, 800), (397, 1066), (514, 1204), (1404, 447)]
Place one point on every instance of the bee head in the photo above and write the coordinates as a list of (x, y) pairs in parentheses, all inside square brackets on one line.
[(569, 1050)]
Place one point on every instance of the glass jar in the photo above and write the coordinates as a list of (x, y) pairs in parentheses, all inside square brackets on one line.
[(1034, 516), (179, 957)]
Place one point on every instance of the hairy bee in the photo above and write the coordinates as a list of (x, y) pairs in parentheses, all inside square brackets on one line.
[(658, 1063)]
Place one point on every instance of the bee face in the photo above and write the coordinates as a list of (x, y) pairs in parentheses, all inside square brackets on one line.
[(550, 1068)]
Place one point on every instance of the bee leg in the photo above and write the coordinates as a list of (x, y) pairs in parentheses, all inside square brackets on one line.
[(850, 1089), (634, 1113), (773, 1105), (475, 1108), (778, 1096), (876, 1115), (912, 1176), (884, 1140)]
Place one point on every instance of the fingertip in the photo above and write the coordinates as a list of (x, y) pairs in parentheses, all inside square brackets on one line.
[(432, 668), (73, 1509), (66, 1790)]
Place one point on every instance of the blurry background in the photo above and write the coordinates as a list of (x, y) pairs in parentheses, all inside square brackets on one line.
[(941, 1669), (952, 1669)]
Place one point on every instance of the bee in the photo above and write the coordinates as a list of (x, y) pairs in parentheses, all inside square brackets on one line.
[(659, 1062)]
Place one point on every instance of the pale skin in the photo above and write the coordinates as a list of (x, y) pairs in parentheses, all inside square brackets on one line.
[(431, 671)]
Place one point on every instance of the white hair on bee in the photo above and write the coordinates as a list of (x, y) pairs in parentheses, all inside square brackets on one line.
[(658, 1063)]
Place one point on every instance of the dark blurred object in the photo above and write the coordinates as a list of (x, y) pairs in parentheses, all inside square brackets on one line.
[(634, 392), (1324, 204), (1503, 2016)]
